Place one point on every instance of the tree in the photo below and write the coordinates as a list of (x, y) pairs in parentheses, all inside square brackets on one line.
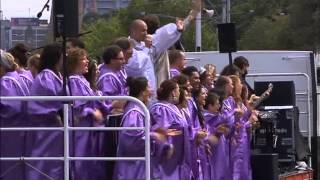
[(114, 25), (260, 24), (303, 24), (103, 32)]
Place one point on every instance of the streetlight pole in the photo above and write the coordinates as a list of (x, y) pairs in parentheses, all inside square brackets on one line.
[(228, 11), (198, 32), (0, 25)]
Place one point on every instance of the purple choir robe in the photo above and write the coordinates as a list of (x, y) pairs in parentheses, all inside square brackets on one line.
[(240, 150), (99, 142), (85, 142), (46, 114), (123, 76), (200, 161), (166, 115), (218, 163), (132, 144), (111, 82), (27, 77), (12, 114), (227, 109), (174, 72)]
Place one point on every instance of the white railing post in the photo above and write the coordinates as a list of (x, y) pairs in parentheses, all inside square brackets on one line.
[(66, 140), (147, 146), (66, 158)]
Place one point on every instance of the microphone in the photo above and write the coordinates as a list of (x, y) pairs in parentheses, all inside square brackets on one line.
[(39, 15), (46, 6), (209, 12)]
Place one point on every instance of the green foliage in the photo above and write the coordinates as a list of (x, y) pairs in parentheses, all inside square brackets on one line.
[(260, 24), (265, 34), (277, 24), (103, 32), (108, 27)]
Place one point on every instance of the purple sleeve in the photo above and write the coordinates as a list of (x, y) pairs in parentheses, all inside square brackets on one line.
[(212, 122), (228, 116), (165, 37), (9, 108), (104, 107), (109, 86), (134, 141), (160, 117), (27, 81), (81, 108), (45, 85), (246, 115)]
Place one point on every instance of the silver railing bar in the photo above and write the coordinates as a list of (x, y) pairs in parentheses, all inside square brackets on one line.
[(66, 128)]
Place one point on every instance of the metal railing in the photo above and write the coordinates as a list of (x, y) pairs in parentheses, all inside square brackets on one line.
[(307, 93), (66, 158)]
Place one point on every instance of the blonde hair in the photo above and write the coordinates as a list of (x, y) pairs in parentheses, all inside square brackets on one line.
[(34, 60), (7, 62), (237, 97), (210, 67), (73, 58)]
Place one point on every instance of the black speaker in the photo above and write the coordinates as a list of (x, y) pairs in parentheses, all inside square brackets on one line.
[(264, 166), (66, 18), (283, 93), (227, 37)]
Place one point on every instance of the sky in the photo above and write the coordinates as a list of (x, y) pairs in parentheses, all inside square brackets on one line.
[(24, 8)]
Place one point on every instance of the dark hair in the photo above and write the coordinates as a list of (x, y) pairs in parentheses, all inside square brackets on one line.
[(189, 70), (219, 87), (123, 42), (165, 89), (230, 70), (76, 42), (182, 80), (211, 99), (137, 85), (111, 52), (50, 56), (203, 76), (174, 55), (90, 75), (153, 23), (195, 95), (19, 51), (241, 62)]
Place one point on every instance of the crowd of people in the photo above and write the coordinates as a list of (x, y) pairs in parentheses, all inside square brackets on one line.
[(200, 123)]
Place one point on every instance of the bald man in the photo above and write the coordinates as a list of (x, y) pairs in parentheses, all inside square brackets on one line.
[(144, 59)]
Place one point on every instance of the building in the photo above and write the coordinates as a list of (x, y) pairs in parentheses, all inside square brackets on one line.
[(30, 31), (5, 35), (103, 6)]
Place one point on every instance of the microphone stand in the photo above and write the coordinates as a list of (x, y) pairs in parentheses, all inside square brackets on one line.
[(46, 6)]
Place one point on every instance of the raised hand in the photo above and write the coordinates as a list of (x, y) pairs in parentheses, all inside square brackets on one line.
[(180, 25), (97, 115)]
